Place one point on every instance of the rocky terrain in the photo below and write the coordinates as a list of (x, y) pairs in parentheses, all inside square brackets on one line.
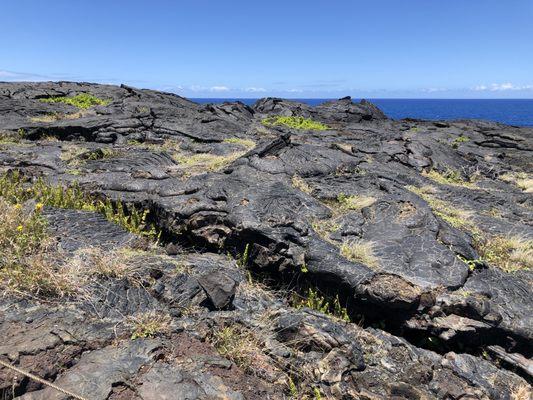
[(155, 248)]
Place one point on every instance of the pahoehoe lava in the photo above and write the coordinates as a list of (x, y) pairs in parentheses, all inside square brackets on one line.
[(421, 231)]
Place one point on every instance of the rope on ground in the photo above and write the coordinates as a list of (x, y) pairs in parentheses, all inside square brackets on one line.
[(40, 380)]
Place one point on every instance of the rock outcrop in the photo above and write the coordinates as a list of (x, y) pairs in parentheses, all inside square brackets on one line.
[(420, 232)]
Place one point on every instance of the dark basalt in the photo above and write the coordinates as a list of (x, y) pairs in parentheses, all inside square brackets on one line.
[(214, 195)]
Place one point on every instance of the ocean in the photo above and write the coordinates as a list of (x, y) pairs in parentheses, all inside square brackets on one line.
[(517, 112)]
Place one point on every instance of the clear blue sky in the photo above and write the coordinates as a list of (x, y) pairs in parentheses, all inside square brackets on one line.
[(215, 48)]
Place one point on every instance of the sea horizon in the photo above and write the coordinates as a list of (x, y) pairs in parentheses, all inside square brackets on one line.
[(516, 112)]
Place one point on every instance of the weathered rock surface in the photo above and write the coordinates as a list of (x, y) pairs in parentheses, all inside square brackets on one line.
[(218, 181)]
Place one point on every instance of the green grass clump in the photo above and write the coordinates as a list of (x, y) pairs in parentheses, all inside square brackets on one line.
[(81, 100), (295, 123), (315, 301), (16, 190), (458, 140)]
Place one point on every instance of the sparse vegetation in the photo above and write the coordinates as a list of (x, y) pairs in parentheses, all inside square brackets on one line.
[(206, 162), (458, 140), (294, 123), (521, 392), (455, 216), (81, 100), (355, 202), (238, 345), (300, 184), (16, 190), (324, 227), (360, 251), (521, 179), (314, 300), (449, 177), (246, 143), (149, 324), (508, 253), (52, 117), (28, 258)]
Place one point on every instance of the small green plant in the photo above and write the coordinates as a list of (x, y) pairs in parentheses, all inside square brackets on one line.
[(243, 259), (294, 123), (315, 301), (293, 389), (458, 140), (81, 100), (317, 394), (149, 324)]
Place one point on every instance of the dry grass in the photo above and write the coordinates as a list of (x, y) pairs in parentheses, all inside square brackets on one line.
[(300, 184), (449, 177), (205, 161), (360, 251), (53, 117), (324, 227), (521, 392), (246, 143), (149, 324), (354, 202), (238, 345), (455, 216), (521, 179), (508, 253), (29, 260)]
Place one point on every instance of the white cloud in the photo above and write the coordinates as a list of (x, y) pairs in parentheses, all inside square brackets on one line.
[(255, 89), (219, 88), (294, 90), (499, 87)]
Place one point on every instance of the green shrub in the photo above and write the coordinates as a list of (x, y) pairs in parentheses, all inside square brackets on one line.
[(81, 100), (295, 123)]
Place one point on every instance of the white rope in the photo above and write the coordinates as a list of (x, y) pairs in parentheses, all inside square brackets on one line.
[(37, 379)]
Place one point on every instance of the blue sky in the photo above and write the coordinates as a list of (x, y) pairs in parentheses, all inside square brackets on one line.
[(302, 49)]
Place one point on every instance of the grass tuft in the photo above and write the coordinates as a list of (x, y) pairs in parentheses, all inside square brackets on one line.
[(449, 177), (294, 123), (81, 100), (238, 345), (508, 253), (312, 299), (149, 324), (354, 202), (360, 251), (28, 260), (299, 183), (521, 179), (455, 216)]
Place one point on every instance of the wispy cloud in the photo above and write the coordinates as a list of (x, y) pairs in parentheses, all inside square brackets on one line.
[(12, 76), (255, 90), (219, 89), (500, 87)]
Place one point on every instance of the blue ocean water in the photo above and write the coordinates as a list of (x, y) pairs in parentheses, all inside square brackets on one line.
[(511, 112)]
